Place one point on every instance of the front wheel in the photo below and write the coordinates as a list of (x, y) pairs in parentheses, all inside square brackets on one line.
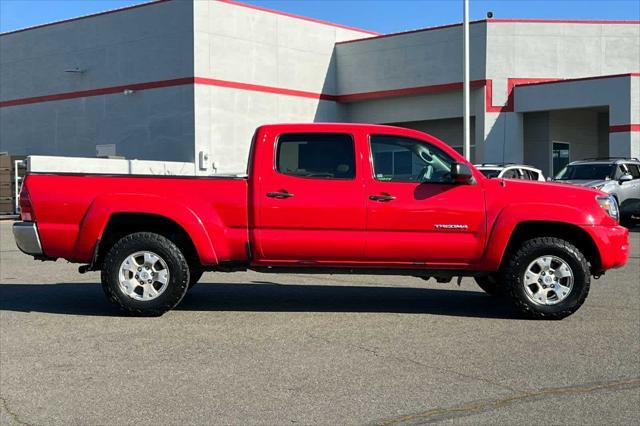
[(490, 285), (145, 274), (547, 278), (195, 273)]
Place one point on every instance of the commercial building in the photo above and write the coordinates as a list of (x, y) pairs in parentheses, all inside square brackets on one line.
[(190, 80)]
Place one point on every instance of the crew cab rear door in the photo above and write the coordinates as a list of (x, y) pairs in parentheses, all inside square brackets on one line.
[(415, 215), (309, 204)]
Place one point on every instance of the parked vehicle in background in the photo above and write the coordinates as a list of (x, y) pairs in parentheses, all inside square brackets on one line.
[(619, 177), (511, 171), (328, 198)]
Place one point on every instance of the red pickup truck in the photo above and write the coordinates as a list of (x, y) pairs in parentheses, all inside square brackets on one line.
[(328, 198)]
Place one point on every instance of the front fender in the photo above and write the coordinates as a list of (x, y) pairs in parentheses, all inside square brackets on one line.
[(514, 214), (102, 208)]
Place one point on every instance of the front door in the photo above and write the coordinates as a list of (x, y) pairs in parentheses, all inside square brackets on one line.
[(309, 204), (415, 214)]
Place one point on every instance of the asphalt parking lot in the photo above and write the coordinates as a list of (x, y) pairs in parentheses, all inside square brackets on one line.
[(249, 348)]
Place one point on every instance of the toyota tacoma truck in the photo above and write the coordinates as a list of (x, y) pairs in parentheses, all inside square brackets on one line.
[(332, 199)]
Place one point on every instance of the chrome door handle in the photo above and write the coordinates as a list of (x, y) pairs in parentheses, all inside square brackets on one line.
[(382, 197), (279, 194)]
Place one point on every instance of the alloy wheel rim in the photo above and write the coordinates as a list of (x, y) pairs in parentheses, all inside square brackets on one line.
[(548, 280), (143, 276)]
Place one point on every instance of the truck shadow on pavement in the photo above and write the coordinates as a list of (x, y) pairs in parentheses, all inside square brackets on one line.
[(88, 299)]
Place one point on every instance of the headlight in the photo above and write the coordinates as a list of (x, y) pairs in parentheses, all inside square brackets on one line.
[(609, 205)]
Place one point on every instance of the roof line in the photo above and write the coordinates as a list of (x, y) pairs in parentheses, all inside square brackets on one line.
[(495, 20), (92, 15), (419, 30), (304, 18), (566, 21), (569, 80)]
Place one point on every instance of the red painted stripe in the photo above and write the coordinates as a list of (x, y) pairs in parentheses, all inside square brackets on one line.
[(93, 15), (401, 33), (624, 128), (264, 89), (518, 21), (291, 15), (235, 3), (567, 21), (409, 91), (98, 92), (512, 83), (570, 80)]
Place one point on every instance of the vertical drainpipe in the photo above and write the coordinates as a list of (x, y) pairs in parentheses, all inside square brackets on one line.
[(465, 85)]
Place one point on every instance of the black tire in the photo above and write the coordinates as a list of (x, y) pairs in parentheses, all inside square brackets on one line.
[(176, 264), (515, 268), (195, 273), (491, 285)]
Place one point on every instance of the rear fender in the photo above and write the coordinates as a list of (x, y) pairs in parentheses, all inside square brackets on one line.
[(507, 220), (102, 208)]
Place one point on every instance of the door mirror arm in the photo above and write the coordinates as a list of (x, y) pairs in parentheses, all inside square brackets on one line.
[(625, 178), (461, 174)]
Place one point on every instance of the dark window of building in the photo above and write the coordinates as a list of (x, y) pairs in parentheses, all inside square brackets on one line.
[(561, 156), (316, 155), (400, 159)]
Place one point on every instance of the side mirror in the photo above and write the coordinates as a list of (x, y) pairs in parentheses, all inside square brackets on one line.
[(625, 178), (461, 173), (549, 179)]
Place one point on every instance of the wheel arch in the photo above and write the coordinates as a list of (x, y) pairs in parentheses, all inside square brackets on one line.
[(108, 219), (569, 232), (125, 223)]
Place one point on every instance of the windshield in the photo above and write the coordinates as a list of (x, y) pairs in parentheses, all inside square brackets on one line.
[(586, 172), (490, 173)]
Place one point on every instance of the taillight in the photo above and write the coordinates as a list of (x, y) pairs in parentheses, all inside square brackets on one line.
[(26, 209)]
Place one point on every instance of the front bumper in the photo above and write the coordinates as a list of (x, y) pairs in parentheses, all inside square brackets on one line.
[(612, 243), (27, 238)]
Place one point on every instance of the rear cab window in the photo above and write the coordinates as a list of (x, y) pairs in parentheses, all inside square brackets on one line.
[(316, 155)]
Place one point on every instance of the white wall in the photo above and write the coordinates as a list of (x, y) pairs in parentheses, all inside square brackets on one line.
[(245, 45), (555, 50), (149, 43), (408, 60)]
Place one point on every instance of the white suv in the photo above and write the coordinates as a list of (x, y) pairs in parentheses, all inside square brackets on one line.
[(511, 171)]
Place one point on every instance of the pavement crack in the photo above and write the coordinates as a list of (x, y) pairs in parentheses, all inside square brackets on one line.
[(438, 414), (4, 405), (401, 359)]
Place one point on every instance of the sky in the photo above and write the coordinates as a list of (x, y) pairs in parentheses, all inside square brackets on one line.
[(384, 16)]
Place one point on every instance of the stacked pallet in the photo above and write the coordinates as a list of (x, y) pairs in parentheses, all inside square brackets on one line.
[(8, 182)]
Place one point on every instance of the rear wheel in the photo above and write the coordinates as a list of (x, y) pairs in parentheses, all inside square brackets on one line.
[(547, 278), (490, 285), (145, 274)]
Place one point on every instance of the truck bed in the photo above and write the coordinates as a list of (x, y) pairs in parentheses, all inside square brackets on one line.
[(70, 206)]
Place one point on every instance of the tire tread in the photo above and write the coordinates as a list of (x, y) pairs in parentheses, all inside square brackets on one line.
[(511, 279), (121, 247)]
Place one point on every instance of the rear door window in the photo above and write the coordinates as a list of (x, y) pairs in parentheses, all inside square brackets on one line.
[(316, 155)]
